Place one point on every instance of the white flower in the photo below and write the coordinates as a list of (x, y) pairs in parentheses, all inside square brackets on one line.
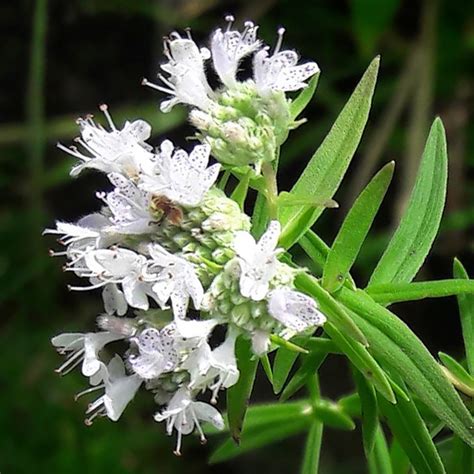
[(122, 151), (88, 233), (175, 280), (257, 261), (214, 369), (120, 389), (184, 414), (156, 353), (294, 310), (117, 266), (280, 71), (229, 47), (129, 207), (182, 178), (187, 81), (83, 348)]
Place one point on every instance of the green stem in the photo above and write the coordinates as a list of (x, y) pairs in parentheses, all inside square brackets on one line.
[(35, 107), (271, 194)]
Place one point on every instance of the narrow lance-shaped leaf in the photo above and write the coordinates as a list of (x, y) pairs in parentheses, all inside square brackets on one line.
[(238, 395), (397, 347), (389, 293), (412, 240), (285, 358), (457, 374), (325, 171), (309, 367), (259, 415), (410, 431), (379, 457), (259, 437), (330, 307), (363, 360), (466, 310), (369, 408), (354, 229)]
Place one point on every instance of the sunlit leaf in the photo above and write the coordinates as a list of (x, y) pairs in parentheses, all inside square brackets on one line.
[(369, 409), (354, 229), (397, 347), (412, 241), (238, 395), (466, 311), (325, 171)]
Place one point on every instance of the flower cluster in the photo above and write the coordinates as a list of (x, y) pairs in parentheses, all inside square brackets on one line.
[(244, 122), (171, 253)]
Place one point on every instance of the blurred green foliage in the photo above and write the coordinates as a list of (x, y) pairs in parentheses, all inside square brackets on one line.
[(65, 58)]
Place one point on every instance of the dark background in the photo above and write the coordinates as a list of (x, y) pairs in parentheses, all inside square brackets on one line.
[(82, 53)]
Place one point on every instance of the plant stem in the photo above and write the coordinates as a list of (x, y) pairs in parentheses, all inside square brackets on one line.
[(271, 194)]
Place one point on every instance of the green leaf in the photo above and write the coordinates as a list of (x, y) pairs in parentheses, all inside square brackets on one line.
[(369, 408), (457, 374), (259, 437), (462, 458), (410, 431), (266, 414), (330, 307), (412, 240), (267, 368), (238, 395), (291, 346), (312, 449), (397, 347), (325, 171), (362, 359), (310, 365), (259, 216), (285, 359), (389, 293), (354, 230), (466, 311), (304, 97), (315, 248), (240, 192), (332, 414), (379, 457), (282, 365), (398, 458)]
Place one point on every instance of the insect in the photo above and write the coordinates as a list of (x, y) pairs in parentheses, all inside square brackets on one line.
[(166, 209)]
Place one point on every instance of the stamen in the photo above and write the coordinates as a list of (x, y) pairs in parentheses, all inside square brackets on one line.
[(188, 33), (230, 20), (105, 109), (198, 426), (89, 390), (86, 288), (71, 363), (280, 32), (89, 421), (177, 451), (146, 82)]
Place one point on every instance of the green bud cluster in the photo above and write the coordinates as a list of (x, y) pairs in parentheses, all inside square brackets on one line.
[(242, 127), (205, 234), (224, 301)]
